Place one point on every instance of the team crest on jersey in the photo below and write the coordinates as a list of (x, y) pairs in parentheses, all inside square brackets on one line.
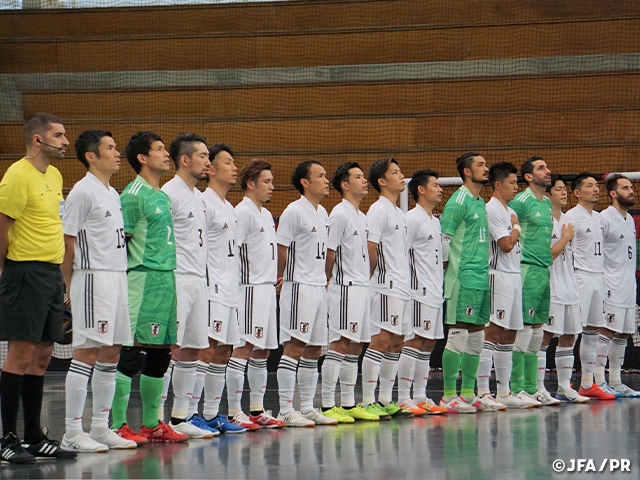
[(353, 327), (469, 310), (394, 320), (427, 325), (304, 327), (500, 314), (259, 332), (217, 326), (532, 312), (611, 317), (551, 320), (155, 329), (103, 326)]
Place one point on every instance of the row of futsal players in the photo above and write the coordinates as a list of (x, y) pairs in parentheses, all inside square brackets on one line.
[(385, 271)]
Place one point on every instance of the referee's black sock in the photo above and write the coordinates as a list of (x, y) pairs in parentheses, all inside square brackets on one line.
[(11, 386), (32, 386)]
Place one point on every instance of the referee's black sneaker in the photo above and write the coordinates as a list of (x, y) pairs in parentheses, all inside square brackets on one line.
[(12, 451), (47, 448)]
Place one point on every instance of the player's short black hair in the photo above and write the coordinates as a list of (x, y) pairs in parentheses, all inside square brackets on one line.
[(498, 172), (89, 141), (378, 170), (578, 180), (302, 171), (342, 175), (421, 179), (140, 143), (611, 182), (465, 161), (555, 178), (216, 148), (184, 144), (527, 166)]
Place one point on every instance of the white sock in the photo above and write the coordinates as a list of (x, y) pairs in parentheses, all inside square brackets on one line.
[(330, 372), (198, 387), (286, 383), (588, 356), (484, 368), (307, 383), (75, 387), (183, 381), (421, 377), (617, 348), (370, 372), (388, 371), (348, 377), (542, 367), (406, 372), (564, 366), (257, 376), (503, 362), (166, 381), (214, 382), (602, 349), (235, 384), (103, 388)]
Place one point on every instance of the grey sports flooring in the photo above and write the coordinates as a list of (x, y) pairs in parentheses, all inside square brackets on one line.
[(513, 445)]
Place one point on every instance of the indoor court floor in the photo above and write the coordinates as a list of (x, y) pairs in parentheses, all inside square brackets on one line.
[(513, 445)]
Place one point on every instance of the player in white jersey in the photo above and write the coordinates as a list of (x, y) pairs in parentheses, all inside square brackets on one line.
[(506, 291), (94, 268), (302, 241), (347, 268), (424, 239), (619, 251), (222, 292), (391, 294), (257, 303), (588, 263), (564, 310), (190, 156)]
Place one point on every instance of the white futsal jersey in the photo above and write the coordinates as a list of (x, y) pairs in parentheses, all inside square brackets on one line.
[(304, 231), (619, 258), (222, 255), (388, 228), (189, 224), (425, 256), (588, 255), (500, 226), (257, 243), (348, 238), (564, 290), (93, 215)]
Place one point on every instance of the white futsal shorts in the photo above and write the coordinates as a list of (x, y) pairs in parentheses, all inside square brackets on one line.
[(620, 319), (591, 292), (563, 319), (506, 300), (223, 324), (390, 313), (191, 295), (426, 321), (349, 314), (303, 313), (100, 309), (257, 316)]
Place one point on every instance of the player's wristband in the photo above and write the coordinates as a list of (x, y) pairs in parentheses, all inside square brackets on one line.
[(518, 227)]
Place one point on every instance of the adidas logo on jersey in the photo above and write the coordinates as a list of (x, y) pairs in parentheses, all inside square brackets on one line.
[(588, 230), (190, 215), (313, 229), (355, 233), (475, 215), (225, 225), (430, 237), (621, 237), (397, 228), (108, 214), (158, 210), (261, 229), (555, 237), (538, 214)]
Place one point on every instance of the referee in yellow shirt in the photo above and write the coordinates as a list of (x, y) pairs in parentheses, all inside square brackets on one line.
[(31, 285)]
